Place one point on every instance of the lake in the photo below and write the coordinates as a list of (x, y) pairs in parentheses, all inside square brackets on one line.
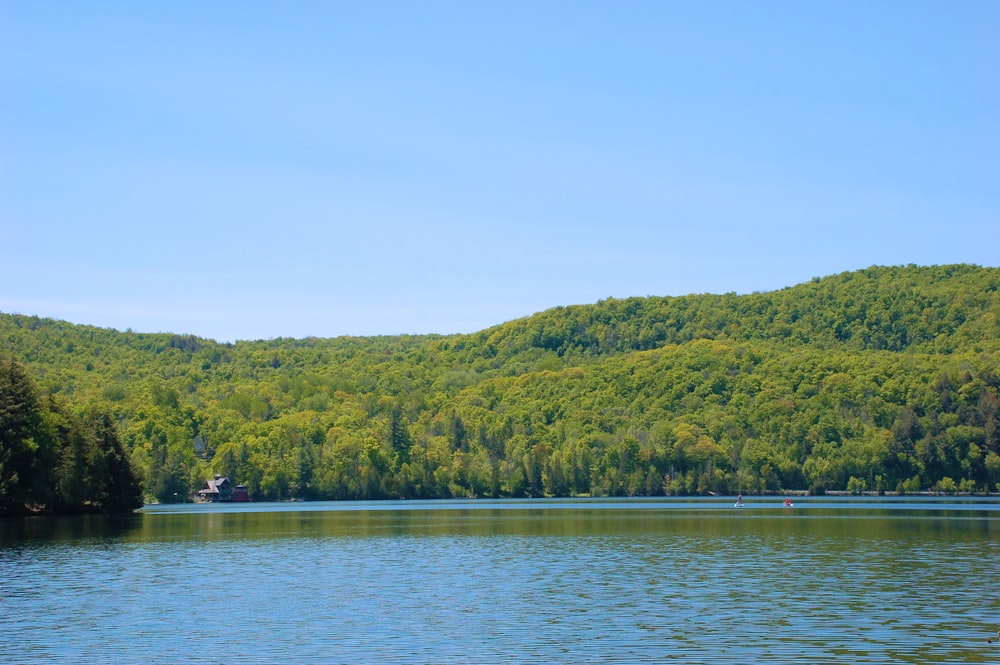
[(845, 580)]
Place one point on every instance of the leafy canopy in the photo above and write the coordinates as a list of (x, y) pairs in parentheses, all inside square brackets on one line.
[(884, 379)]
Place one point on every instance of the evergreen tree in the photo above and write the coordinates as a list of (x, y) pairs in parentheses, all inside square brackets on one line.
[(121, 490), (20, 419), (54, 461)]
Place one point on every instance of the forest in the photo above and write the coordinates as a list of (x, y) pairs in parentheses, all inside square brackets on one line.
[(885, 379), (57, 460)]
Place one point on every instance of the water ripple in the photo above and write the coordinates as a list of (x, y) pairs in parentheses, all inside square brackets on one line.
[(489, 588)]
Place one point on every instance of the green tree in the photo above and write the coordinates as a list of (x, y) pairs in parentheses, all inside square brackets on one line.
[(20, 418), (122, 490), (168, 477)]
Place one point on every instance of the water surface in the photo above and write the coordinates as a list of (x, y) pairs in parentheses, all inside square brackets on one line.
[(629, 581)]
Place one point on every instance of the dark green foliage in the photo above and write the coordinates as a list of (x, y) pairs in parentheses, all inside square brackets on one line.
[(54, 461), (883, 379), (20, 427)]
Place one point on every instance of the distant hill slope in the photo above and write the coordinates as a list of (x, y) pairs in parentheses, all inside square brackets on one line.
[(876, 309), (884, 377)]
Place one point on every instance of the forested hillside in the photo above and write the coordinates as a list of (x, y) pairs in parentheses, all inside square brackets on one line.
[(880, 379)]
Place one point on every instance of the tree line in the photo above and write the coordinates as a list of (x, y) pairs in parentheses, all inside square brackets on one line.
[(57, 460), (884, 379)]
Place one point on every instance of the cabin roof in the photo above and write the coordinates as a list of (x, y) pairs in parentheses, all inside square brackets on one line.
[(216, 484)]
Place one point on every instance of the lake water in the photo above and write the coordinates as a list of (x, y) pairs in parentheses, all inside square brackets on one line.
[(630, 581)]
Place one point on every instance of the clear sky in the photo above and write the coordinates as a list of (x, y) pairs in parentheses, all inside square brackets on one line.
[(247, 170)]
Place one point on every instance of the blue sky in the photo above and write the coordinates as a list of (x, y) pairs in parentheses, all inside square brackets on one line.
[(247, 170)]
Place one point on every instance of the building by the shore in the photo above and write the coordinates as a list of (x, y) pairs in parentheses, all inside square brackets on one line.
[(219, 489)]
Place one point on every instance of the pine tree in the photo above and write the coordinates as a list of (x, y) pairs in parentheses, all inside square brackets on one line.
[(20, 420)]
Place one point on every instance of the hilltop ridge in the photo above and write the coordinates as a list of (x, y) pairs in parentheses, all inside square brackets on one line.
[(883, 378)]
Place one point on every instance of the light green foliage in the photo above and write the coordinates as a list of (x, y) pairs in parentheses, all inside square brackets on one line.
[(881, 379)]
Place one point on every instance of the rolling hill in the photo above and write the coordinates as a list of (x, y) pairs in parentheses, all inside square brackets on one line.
[(883, 379)]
